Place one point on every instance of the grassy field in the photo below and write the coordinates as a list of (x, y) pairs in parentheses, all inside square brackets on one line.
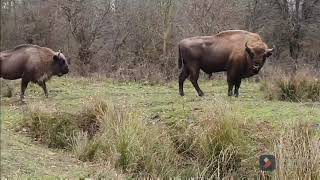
[(21, 156)]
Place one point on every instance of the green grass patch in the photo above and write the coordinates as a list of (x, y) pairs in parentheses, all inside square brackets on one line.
[(148, 130)]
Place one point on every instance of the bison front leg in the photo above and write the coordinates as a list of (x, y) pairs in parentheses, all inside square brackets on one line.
[(183, 76), (230, 88), (44, 87), (237, 86), (233, 80)]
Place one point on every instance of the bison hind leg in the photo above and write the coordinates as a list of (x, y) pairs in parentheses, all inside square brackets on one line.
[(182, 77), (194, 75)]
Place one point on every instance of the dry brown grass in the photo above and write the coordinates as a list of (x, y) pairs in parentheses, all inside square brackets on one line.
[(297, 152), (303, 85)]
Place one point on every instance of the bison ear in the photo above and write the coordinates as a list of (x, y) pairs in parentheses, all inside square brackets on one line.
[(249, 51)]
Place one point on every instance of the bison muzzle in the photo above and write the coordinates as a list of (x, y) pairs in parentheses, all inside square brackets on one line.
[(240, 53), (32, 63)]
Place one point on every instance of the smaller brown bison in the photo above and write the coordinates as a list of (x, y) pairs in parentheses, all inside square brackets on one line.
[(32, 63), (241, 53)]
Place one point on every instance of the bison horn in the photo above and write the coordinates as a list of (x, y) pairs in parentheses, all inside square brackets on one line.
[(269, 52), (249, 51)]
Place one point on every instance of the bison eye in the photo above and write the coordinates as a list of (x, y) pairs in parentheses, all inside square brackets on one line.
[(56, 58)]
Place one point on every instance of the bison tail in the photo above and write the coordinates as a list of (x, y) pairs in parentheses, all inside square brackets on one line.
[(180, 59)]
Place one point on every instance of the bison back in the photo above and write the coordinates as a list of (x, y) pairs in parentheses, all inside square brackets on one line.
[(12, 65)]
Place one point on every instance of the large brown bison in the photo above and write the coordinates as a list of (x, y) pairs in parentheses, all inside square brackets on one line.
[(241, 53), (32, 63)]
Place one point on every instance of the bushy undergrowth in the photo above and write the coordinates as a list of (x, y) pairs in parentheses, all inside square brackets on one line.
[(300, 86), (214, 144)]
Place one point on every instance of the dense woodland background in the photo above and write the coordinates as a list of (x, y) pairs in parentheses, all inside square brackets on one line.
[(137, 39)]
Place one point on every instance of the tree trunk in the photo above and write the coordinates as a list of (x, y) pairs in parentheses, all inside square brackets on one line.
[(169, 11), (85, 56)]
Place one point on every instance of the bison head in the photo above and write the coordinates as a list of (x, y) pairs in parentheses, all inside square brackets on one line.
[(60, 65), (258, 57)]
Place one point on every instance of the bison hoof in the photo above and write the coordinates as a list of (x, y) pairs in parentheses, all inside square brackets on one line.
[(181, 94), (200, 94)]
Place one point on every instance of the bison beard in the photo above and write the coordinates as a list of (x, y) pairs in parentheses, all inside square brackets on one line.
[(241, 53)]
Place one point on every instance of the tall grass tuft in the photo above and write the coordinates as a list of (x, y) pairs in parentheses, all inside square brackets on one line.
[(134, 146), (83, 147), (300, 86), (297, 152), (90, 117), (49, 126), (215, 144)]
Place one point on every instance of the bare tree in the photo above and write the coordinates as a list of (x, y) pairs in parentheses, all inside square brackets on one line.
[(296, 16), (210, 16), (88, 21), (168, 13)]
